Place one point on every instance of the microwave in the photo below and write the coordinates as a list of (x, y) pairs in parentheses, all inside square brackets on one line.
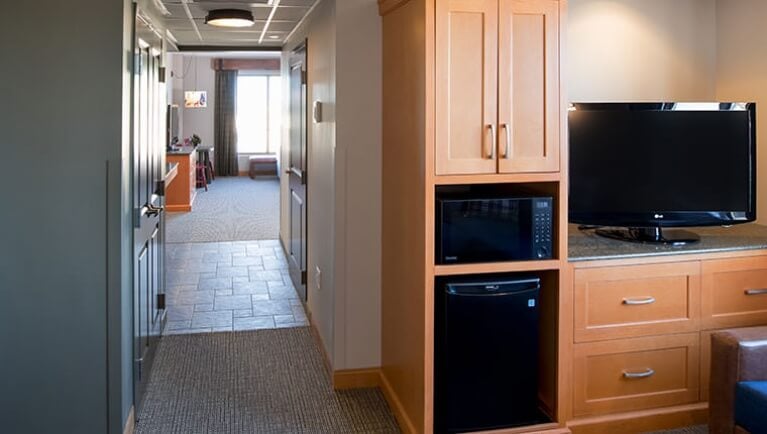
[(492, 229)]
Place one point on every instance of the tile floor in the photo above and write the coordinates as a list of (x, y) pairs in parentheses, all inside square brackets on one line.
[(229, 286)]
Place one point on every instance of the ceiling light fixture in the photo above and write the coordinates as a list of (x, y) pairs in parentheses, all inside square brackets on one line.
[(275, 4), (230, 18)]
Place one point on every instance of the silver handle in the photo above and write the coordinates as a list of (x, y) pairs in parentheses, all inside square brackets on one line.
[(638, 301), (755, 291), (153, 211), (649, 372), (507, 148), (494, 141)]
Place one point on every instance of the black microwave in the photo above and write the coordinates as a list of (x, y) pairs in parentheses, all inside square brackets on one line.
[(493, 229)]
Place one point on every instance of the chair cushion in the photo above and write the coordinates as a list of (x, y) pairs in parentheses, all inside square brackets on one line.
[(751, 406)]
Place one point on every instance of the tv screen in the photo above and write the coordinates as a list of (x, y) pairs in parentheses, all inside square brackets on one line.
[(662, 164)]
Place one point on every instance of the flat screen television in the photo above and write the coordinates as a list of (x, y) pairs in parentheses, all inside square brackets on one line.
[(648, 166)]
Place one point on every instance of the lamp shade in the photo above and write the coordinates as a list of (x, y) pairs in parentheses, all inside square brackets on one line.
[(230, 18)]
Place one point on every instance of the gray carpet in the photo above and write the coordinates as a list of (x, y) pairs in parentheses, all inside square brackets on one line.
[(233, 209), (266, 381)]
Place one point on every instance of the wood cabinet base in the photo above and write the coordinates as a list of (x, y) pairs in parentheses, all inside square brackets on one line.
[(642, 421)]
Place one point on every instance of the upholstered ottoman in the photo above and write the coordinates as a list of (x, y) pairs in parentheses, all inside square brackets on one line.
[(262, 165)]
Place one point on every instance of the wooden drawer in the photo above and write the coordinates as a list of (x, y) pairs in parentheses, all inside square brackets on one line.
[(637, 300), (666, 370), (734, 293)]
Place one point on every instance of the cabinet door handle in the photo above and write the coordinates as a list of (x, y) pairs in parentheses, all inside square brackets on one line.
[(649, 372), (493, 141), (638, 301), (507, 147), (755, 291)]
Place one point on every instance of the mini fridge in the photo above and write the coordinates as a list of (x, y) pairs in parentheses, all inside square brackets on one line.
[(486, 353)]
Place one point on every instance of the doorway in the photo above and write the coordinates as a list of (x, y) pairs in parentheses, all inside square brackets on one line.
[(227, 269)]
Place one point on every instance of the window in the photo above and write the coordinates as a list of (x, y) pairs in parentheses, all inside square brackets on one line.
[(259, 113)]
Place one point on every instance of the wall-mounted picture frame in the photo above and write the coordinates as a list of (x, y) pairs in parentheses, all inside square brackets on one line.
[(195, 99)]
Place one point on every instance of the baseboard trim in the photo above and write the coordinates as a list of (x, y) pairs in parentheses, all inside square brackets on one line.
[(178, 208), (643, 421), (130, 424), (356, 378), (320, 343), (405, 424)]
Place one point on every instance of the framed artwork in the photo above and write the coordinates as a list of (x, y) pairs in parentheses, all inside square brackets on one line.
[(195, 99)]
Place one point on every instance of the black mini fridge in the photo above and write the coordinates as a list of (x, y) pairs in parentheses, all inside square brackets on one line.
[(486, 353)]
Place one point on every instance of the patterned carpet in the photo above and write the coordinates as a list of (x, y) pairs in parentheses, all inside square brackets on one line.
[(266, 381), (233, 209)]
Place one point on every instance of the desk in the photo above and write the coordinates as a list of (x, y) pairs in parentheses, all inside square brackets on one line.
[(181, 192)]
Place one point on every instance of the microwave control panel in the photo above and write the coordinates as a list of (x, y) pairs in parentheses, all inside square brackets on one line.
[(542, 227)]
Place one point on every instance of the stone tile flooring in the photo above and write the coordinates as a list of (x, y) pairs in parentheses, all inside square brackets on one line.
[(229, 286)]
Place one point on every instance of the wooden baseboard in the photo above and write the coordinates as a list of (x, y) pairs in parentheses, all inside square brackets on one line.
[(405, 424), (356, 378), (130, 424), (642, 421), (178, 208)]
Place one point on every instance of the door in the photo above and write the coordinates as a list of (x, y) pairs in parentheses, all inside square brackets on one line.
[(297, 176), (529, 98), (148, 220), (467, 86)]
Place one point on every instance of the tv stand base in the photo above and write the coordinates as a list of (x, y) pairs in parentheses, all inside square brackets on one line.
[(650, 235)]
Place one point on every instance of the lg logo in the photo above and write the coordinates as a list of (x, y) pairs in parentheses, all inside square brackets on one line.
[(658, 216)]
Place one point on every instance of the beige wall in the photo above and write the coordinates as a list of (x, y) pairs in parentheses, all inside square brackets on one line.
[(321, 34), (197, 74), (642, 50), (358, 166), (344, 199), (742, 70)]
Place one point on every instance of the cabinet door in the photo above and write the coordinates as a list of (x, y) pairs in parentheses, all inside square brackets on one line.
[(529, 90), (467, 86)]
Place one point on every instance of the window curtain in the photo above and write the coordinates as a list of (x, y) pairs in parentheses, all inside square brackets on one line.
[(225, 124)]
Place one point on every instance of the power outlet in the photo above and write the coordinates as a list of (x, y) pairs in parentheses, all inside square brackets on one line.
[(317, 278)]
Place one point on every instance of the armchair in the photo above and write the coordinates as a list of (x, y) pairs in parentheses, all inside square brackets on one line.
[(738, 398)]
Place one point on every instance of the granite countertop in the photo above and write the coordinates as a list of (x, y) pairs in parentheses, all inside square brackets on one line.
[(584, 245), (184, 150)]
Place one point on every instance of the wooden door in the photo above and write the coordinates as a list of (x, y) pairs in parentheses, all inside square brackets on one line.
[(148, 150), (529, 90), (297, 172), (467, 86)]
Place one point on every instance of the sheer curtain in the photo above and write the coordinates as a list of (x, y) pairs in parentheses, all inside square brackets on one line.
[(226, 123)]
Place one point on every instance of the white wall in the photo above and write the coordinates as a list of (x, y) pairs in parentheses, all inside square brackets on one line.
[(642, 50), (197, 74), (344, 199), (742, 70), (320, 30), (358, 163)]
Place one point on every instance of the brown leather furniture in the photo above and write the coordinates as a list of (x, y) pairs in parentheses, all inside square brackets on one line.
[(738, 355)]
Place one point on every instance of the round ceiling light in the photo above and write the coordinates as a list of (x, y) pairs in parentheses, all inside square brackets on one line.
[(230, 18)]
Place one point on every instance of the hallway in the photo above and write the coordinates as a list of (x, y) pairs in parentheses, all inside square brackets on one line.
[(223, 383), (226, 286)]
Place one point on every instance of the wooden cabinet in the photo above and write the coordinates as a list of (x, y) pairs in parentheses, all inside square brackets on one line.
[(180, 193), (675, 304), (639, 300), (734, 292), (498, 92), (635, 374)]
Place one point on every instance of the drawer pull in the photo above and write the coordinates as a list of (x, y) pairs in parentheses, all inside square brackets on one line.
[(756, 291), (638, 301), (634, 375)]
